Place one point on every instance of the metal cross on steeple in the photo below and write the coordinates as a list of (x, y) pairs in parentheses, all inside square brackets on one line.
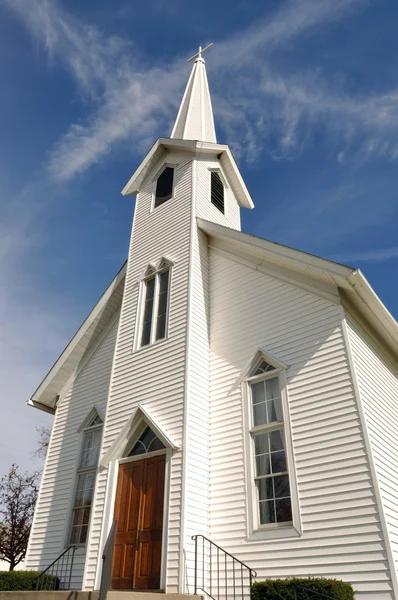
[(201, 50)]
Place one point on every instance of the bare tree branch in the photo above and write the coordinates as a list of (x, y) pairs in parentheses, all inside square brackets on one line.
[(18, 495)]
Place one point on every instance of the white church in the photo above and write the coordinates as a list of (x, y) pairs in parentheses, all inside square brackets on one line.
[(224, 388)]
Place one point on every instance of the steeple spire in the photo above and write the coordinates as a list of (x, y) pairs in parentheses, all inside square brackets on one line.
[(195, 117)]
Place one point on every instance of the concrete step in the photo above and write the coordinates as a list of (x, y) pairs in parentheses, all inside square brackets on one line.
[(150, 595)]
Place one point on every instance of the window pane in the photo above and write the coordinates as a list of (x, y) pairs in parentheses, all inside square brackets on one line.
[(259, 403), (267, 512), (283, 509), (263, 466), (261, 443), (264, 367), (148, 309), (281, 485), (148, 442), (265, 488), (162, 305), (277, 440), (164, 186), (217, 191), (278, 462)]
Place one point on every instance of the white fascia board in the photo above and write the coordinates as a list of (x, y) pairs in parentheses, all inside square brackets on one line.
[(35, 399), (196, 147), (316, 262), (48, 409), (388, 326)]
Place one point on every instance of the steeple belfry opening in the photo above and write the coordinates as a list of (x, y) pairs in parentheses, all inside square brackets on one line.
[(195, 116)]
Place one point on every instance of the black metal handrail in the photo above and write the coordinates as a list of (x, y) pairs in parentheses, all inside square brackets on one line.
[(107, 558), (236, 577), (311, 592), (60, 570)]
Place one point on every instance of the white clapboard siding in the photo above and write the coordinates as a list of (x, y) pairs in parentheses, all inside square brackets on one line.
[(155, 375), (341, 536), (50, 531), (378, 387)]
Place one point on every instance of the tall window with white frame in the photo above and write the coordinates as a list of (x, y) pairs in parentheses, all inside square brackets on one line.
[(86, 472), (155, 307), (268, 441)]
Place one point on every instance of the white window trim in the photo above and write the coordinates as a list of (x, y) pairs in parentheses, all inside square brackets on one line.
[(82, 430), (141, 301), (154, 181), (255, 530)]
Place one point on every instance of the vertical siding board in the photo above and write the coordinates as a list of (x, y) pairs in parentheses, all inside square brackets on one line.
[(378, 388), (342, 535), (49, 536)]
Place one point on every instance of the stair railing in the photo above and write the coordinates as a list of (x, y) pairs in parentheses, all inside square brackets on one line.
[(107, 558), (219, 574), (60, 571)]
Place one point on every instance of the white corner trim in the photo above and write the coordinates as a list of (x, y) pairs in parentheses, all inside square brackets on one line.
[(184, 476), (369, 451), (140, 414)]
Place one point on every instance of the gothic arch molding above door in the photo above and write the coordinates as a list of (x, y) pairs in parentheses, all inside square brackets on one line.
[(131, 432)]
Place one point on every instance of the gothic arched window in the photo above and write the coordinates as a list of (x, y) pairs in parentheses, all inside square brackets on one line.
[(268, 443)]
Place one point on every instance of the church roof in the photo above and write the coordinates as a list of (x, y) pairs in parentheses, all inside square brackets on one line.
[(333, 281), (195, 117), (46, 395)]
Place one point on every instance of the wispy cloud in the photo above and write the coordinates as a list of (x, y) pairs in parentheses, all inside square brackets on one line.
[(133, 99), (373, 256)]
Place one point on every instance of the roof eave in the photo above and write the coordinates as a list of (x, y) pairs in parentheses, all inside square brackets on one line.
[(388, 326), (197, 147), (40, 406)]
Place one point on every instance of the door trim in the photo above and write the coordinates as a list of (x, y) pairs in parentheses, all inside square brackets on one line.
[(109, 507)]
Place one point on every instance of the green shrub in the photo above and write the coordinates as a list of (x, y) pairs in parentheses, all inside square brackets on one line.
[(283, 589), (15, 581)]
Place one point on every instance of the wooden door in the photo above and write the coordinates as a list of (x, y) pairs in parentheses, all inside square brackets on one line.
[(139, 515)]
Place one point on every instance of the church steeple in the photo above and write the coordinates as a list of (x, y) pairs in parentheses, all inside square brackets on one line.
[(195, 117)]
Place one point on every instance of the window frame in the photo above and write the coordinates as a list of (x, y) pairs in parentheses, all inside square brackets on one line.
[(225, 186), (82, 471), (255, 529), (155, 273), (155, 182)]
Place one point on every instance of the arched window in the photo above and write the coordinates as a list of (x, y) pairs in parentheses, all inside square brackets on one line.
[(269, 444), (86, 472), (155, 304), (147, 442)]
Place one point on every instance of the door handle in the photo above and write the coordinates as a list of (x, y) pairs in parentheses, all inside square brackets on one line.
[(138, 541)]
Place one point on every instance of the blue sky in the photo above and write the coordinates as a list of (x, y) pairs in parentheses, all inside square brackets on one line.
[(304, 91)]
